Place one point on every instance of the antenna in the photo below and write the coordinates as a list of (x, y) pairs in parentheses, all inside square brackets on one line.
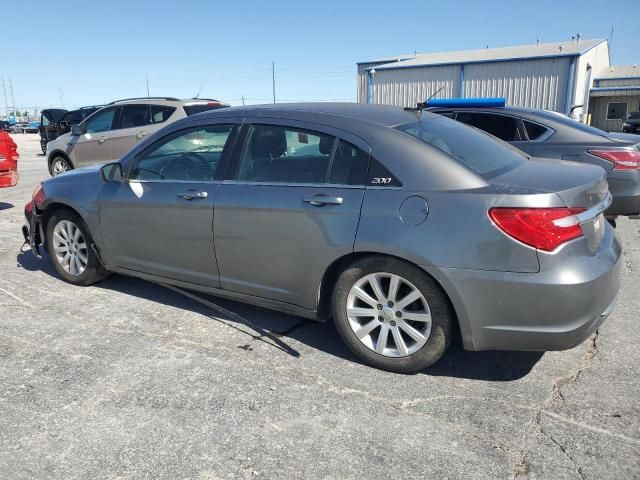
[(273, 79), (422, 105), (199, 92)]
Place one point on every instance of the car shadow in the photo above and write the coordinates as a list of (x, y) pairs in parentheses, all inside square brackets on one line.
[(275, 328), (6, 206)]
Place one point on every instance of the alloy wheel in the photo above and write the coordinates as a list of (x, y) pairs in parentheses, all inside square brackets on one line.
[(70, 247), (59, 166), (388, 314)]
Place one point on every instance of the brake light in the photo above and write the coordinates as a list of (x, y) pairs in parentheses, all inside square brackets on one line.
[(621, 159), (538, 227), (38, 196)]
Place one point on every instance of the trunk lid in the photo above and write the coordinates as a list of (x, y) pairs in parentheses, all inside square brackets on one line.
[(579, 186)]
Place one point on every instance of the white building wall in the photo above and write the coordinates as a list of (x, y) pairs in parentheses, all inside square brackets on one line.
[(405, 87), (598, 59), (540, 83)]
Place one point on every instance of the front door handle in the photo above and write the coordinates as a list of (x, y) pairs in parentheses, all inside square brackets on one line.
[(193, 195), (140, 134), (101, 140), (322, 200)]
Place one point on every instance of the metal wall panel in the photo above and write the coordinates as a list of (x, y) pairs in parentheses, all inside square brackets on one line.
[(407, 86), (618, 82), (598, 109), (525, 83)]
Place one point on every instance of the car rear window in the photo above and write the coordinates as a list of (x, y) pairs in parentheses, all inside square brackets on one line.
[(474, 149), (202, 107)]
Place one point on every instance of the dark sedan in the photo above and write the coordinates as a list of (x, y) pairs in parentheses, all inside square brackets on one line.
[(632, 123), (546, 134)]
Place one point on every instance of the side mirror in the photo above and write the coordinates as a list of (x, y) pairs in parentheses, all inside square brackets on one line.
[(76, 130), (112, 172)]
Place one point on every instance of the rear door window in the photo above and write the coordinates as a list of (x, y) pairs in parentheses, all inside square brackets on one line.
[(502, 126), (134, 116), (349, 165), (274, 153), (477, 151)]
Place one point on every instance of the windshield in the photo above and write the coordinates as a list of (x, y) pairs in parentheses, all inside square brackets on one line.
[(476, 150), (634, 115), (570, 122)]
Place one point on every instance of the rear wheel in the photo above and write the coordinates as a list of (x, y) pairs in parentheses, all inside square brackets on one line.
[(392, 315), (69, 245), (59, 165)]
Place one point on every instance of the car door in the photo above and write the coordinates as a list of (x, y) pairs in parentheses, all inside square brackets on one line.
[(133, 125), (94, 144), (291, 209), (160, 219)]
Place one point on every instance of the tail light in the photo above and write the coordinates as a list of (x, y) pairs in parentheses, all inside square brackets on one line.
[(38, 196), (542, 228), (621, 159)]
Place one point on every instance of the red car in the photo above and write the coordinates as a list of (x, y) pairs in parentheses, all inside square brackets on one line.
[(8, 161)]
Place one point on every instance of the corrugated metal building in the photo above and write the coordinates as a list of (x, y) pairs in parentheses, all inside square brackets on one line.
[(615, 93), (555, 76)]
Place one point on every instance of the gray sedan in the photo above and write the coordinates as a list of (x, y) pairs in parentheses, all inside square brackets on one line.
[(547, 134), (409, 230)]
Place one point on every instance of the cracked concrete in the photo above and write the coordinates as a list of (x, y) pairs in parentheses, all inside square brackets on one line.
[(129, 379)]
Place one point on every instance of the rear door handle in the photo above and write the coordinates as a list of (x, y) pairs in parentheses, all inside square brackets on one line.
[(102, 139), (193, 195), (140, 134), (322, 200)]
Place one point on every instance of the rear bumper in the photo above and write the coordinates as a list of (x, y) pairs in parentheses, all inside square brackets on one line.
[(555, 309), (9, 179), (625, 188)]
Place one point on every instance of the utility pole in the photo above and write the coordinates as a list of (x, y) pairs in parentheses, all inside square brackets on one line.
[(243, 100), (13, 100), (4, 93), (147, 78), (273, 79), (61, 96)]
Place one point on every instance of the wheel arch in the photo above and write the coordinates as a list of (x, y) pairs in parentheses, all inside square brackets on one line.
[(325, 290), (49, 210), (59, 153)]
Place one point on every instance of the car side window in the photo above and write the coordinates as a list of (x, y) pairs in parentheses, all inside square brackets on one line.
[(275, 153), (190, 155), (101, 121), (134, 116), (501, 126), (349, 165), (534, 131), (160, 113)]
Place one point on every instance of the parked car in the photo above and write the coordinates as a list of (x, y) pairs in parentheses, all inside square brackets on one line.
[(5, 126), (632, 123), (8, 160), (113, 130), (19, 127), (55, 122), (409, 230), (547, 134)]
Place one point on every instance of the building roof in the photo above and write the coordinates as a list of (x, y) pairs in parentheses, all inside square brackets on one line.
[(557, 49), (619, 71)]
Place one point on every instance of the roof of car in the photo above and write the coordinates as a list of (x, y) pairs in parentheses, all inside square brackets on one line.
[(384, 115), (164, 101)]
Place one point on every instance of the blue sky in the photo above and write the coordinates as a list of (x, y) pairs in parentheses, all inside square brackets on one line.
[(98, 51)]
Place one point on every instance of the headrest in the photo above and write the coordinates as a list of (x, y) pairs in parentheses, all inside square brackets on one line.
[(269, 142), (325, 145)]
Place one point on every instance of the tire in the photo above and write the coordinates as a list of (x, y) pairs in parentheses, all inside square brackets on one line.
[(431, 306), (61, 227), (43, 147), (59, 165)]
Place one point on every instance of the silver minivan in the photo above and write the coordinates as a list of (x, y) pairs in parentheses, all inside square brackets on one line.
[(113, 130)]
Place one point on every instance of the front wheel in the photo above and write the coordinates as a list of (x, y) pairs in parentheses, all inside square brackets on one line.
[(69, 245), (59, 165), (392, 315)]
